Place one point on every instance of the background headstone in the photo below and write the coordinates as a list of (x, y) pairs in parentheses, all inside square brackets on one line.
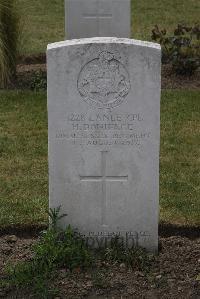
[(104, 132), (89, 18)]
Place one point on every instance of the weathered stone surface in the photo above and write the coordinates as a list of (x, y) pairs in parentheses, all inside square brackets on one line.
[(104, 131), (89, 18)]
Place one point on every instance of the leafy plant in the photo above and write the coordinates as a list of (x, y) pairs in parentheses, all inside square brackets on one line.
[(54, 215), (182, 49), (38, 81), (10, 32), (56, 249), (34, 276)]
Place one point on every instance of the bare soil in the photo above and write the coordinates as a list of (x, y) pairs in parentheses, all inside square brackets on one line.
[(174, 273), (173, 81)]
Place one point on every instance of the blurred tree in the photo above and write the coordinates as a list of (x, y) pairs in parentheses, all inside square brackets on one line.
[(10, 33)]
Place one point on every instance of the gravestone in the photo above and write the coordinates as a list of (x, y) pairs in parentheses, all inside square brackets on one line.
[(104, 113), (89, 18)]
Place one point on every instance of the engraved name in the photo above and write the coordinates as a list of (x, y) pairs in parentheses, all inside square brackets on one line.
[(96, 129)]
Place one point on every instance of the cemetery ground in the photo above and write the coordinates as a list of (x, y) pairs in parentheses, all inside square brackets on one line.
[(175, 272), (24, 199)]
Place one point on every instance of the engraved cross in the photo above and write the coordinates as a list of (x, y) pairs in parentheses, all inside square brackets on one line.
[(103, 178), (98, 15)]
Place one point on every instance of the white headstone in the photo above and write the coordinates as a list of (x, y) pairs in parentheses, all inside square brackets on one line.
[(104, 132), (89, 18)]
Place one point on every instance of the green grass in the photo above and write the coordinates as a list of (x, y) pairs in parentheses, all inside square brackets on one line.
[(180, 157), (44, 19), (43, 23), (23, 158)]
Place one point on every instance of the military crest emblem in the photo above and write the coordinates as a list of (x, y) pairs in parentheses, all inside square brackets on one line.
[(104, 81)]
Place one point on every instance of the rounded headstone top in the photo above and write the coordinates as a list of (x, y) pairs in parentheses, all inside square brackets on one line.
[(103, 40)]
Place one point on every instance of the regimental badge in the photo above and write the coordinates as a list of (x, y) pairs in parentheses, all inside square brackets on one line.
[(104, 81)]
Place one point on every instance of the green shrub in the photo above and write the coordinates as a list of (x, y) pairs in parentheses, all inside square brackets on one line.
[(182, 49), (38, 81), (10, 28), (56, 249)]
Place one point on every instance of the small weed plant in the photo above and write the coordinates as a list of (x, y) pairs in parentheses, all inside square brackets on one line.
[(56, 249), (33, 80), (182, 49), (133, 257), (38, 81)]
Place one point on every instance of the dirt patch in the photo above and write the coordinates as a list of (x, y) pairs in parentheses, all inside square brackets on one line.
[(29, 68), (32, 59), (29, 77), (174, 273), (172, 81)]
